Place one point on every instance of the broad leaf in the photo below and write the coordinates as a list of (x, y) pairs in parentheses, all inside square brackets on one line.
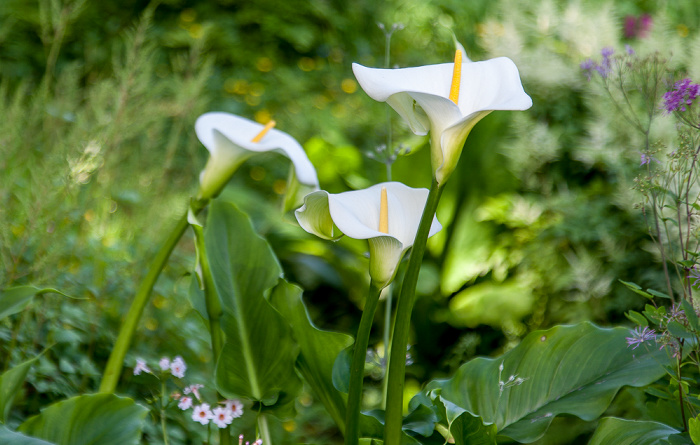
[(257, 360), (16, 299), (10, 383), (14, 438), (318, 349), (465, 428), (567, 369), (630, 432), (96, 419)]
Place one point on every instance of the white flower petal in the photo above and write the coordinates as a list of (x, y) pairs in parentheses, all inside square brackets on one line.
[(229, 141), (315, 217)]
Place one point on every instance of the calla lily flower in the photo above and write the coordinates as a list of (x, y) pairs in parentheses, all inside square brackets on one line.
[(231, 140), (485, 86), (358, 214)]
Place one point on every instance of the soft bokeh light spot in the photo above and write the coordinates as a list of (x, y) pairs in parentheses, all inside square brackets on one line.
[(279, 186), (307, 64), (264, 64), (682, 30), (348, 85), (257, 173), (263, 116), (188, 15)]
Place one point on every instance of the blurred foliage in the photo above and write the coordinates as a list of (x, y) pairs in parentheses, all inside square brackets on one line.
[(98, 156)]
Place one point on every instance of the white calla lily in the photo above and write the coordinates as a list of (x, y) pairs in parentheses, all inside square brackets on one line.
[(485, 86), (357, 215), (230, 141)]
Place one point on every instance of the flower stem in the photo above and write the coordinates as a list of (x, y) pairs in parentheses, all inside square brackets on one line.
[(402, 323), (162, 412), (264, 429), (113, 370), (388, 292), (357, 367)]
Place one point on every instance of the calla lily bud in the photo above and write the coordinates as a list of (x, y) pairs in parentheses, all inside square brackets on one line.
[(358, 214), (232, 139), (421, 96)]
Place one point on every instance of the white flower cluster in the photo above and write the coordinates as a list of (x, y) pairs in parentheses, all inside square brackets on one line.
[(221, 416)]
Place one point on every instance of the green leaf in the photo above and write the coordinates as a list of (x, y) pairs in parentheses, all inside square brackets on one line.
[(658, 294), (341, 370), (95, 419), (630, 432), (16, 299), (10, 383), (678, 330), (690, 314), (634, 287), (694, 429), (464, 427), (12, 437), (318, 349), (565, 370), (637, 318), (258, 357)]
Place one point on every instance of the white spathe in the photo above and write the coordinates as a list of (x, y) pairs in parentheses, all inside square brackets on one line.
[(356, 214), (228, 139), (421, 97)]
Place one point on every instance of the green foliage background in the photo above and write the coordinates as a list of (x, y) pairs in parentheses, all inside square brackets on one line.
[(98, 156)]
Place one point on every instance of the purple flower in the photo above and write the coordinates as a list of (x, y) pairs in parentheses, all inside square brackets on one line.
[(630, 26), (605, 66), (629, 50), (637, 27), (694, 274), (587, 66), (640, 335), (645, 22), (682, 95)]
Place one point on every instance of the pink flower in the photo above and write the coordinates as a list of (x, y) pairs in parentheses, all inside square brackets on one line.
[(194, 389), (202, 414), (185, 403), (178, 367), (235, 406), (222, 417), (141, 367), (164, 364)]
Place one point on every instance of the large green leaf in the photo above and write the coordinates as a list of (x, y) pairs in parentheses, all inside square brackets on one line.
[(95, 419), (567, 369), (15, 299), (10, 383), (631, 432), (257, 360), (14, 438), (465, 428), (318, 349)]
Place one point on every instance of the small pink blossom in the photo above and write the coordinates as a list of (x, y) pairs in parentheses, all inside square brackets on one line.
[(164, 364), (194, 389), (222, 417), (178, 367), (185, 403), (202, 414), (141, 367), (235, 406)]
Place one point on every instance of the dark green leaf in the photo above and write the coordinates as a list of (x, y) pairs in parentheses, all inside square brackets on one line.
[(318, 349), (15, 299), (568, 369), (658, 294), (341, 370), (10, 383), (464, 427), (14, 438), (691, 315), (634, 287), (258, 357), (678, 330), (630, 432), (637, 318), (96, 419)]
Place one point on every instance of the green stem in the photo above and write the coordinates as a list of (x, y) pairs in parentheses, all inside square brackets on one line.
[(113, 370), (264, 429), (162, 412), (357, 367), (387, 338), (402, 323), (214, 311)]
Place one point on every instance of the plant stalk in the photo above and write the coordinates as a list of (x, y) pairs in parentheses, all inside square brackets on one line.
[(357, 367), (402, 323), (113, 370), (264, 429)]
